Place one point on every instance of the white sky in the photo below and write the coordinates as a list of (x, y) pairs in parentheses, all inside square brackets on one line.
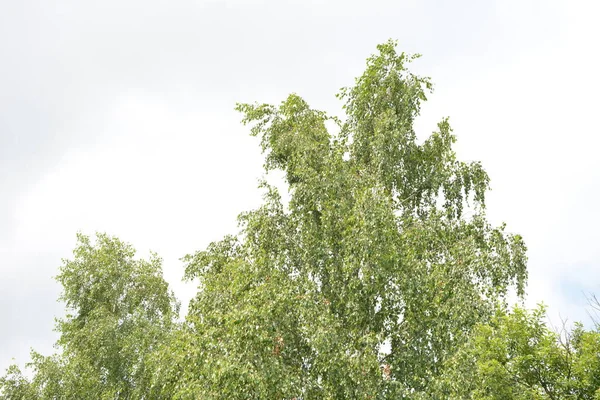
[(118, 116)]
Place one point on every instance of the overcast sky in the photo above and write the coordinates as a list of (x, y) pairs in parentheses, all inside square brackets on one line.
[(117, 116)]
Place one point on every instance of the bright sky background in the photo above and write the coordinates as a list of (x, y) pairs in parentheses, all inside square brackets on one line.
[(117, 116)]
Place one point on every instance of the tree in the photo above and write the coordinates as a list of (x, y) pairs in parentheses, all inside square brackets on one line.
[(516, 356), (120, 310), (369, 280)]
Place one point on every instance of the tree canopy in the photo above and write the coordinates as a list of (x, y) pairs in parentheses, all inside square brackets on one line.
[(119, 309), (379, 278)]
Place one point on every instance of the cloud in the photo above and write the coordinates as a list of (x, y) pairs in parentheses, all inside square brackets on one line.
[(117, 116)]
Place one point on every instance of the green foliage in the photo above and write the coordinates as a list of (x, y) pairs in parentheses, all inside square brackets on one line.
[(15, 386), (516, 356)]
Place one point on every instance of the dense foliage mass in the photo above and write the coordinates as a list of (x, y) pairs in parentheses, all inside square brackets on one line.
[(380, 278)]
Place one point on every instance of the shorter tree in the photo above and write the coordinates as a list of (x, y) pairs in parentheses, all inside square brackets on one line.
[(119, 310), (516, 356)]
